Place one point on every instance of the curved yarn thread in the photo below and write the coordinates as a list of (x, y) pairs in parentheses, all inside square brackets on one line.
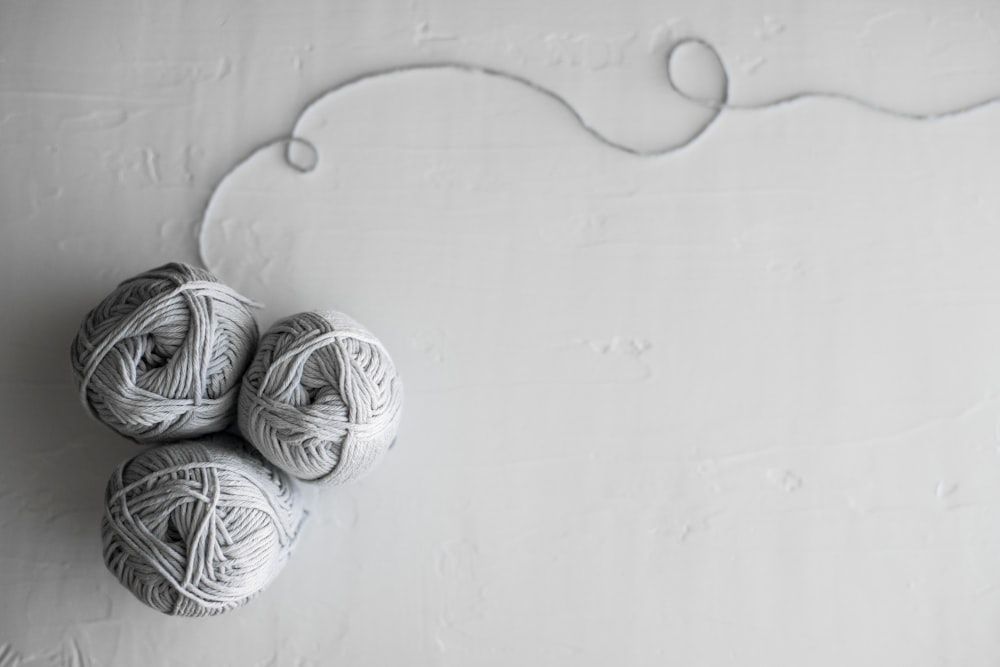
[(715, 106), (161, 357), (200, 527), (321, 399)]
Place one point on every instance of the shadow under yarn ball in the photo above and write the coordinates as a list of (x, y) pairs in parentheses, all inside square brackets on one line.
[(200, 527), (161, 357), (321, 399)]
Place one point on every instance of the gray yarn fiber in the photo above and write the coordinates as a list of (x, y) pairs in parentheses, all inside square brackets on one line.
[(161, 357), (200, 527), (322, 399)]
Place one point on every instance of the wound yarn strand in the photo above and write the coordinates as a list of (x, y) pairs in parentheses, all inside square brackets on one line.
[(162, 356), (321, 399), (199, 527)]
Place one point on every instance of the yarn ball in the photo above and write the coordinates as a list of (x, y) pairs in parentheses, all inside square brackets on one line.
[(321, 399), (200, 527), (161, 357)]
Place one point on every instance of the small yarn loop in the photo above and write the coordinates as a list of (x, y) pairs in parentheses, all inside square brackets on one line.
[(200, 527), (295, 147), (322, 399), (161, 357)]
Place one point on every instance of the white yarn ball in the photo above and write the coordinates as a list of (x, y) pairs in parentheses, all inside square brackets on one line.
[(200, 527), (161, 357), (321, 399)]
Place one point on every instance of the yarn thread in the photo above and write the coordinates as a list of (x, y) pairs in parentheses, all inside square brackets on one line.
[(161, 357), (200, 527), (713, 106), (322, 399)]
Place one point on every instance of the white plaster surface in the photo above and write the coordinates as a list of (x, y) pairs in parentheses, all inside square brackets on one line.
[(735, 405)]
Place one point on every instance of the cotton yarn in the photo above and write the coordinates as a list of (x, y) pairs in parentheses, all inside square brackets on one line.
[(322, 398), (161, 357), (200, 527)]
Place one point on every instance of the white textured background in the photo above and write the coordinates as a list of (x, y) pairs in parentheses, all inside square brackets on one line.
[(733, 406)]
